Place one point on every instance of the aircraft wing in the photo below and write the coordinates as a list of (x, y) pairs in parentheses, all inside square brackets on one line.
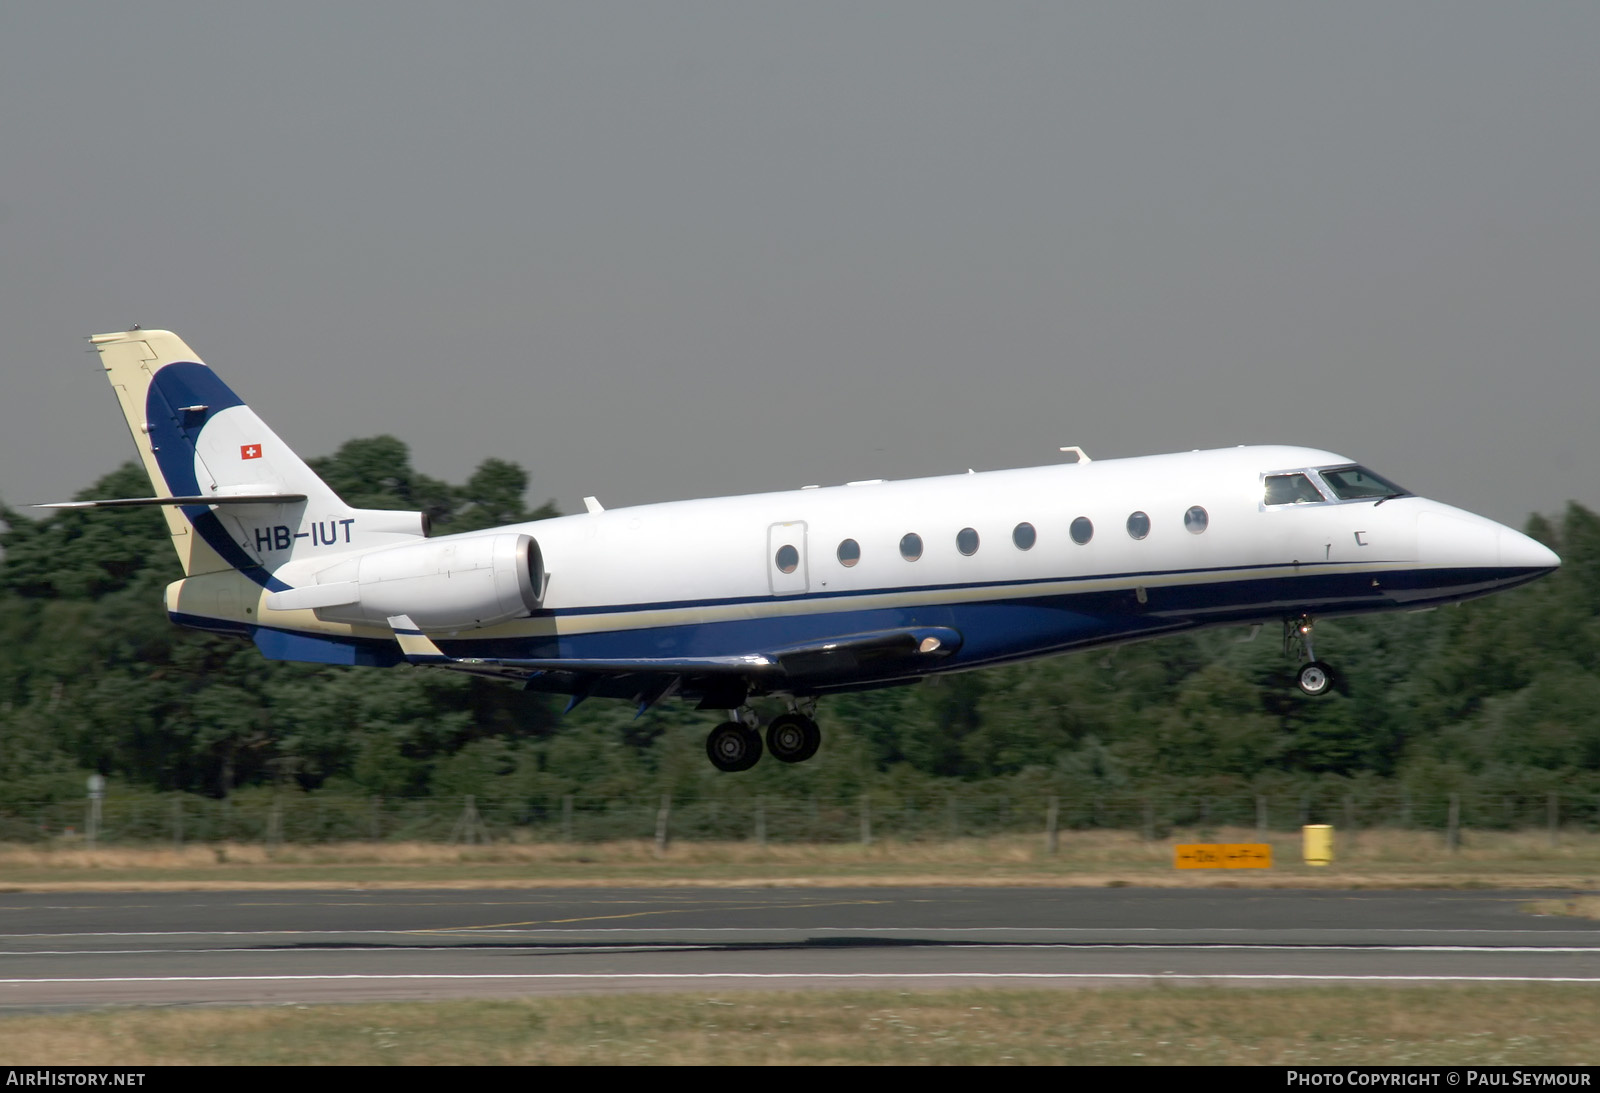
[(649, 679)]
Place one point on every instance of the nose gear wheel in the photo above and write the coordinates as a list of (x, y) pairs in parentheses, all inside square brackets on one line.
[(1315, 678)]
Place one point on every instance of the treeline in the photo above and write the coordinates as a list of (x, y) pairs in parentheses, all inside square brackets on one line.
[(1497, 696)]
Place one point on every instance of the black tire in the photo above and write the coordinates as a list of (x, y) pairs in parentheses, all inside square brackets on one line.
[(733, 746), (1315, 679), (793, 738)]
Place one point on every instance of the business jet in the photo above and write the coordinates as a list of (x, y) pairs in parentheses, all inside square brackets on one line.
[(793, 595)]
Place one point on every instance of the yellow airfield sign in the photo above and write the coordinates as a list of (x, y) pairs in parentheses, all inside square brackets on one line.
[(1223, 856)]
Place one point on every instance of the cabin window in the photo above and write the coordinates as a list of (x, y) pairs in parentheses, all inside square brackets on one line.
[(1082, 530), (967, 541), (1024, 536), (787, 559), (911, 546), (849, 553), (1195, 520), (1290, 489), (1138, 525), (1358, 484)]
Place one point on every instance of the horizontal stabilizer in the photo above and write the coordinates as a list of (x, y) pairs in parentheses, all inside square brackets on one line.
[(204, 499)]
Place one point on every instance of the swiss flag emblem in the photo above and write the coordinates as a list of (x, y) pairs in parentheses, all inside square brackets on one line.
[(249, 451)]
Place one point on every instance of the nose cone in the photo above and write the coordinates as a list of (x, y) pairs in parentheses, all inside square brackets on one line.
[(1467, 555), (1517, 551), (1451, 537), (1460, 540)]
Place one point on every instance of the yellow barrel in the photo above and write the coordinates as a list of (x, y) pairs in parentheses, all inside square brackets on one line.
[(1318, 843)]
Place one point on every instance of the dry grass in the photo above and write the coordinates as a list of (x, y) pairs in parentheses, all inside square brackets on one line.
[(1183, 1026), (1374, 858)]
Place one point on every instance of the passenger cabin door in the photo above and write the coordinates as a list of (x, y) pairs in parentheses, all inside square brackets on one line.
[(786, 558)]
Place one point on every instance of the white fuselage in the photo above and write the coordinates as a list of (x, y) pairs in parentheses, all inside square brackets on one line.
[(724, 576)]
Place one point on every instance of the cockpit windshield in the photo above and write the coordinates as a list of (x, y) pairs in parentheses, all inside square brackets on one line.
[(1290, 489), (1354, 483)]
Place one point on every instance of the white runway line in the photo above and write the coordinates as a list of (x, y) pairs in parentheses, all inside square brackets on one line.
[(692, 946)]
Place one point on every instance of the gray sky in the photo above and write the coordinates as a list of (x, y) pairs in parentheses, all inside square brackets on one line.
[(663, 250)]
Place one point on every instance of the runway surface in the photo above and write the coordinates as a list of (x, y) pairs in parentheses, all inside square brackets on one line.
[(75, 950)]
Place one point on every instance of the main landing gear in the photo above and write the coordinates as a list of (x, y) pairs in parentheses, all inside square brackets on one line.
[(1315, 677), (792, 737), (733, 745)]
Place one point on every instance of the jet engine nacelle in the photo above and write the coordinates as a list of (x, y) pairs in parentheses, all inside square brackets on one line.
[(455, 583)]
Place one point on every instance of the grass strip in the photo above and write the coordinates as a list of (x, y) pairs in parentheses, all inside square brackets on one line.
[(1364, 859), (1510, 1025)]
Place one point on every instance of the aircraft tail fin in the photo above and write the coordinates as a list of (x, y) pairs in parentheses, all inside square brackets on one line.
[(234, 494)]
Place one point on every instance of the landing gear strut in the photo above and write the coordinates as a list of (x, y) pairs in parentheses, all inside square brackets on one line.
[(1315, 677)]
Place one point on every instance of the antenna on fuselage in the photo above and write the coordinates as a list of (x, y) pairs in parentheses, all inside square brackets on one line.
[(1082, 456)]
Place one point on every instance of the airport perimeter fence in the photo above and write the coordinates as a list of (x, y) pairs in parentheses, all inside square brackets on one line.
[(269, 817)]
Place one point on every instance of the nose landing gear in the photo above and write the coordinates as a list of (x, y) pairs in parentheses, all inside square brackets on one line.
[(1315, 676)]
